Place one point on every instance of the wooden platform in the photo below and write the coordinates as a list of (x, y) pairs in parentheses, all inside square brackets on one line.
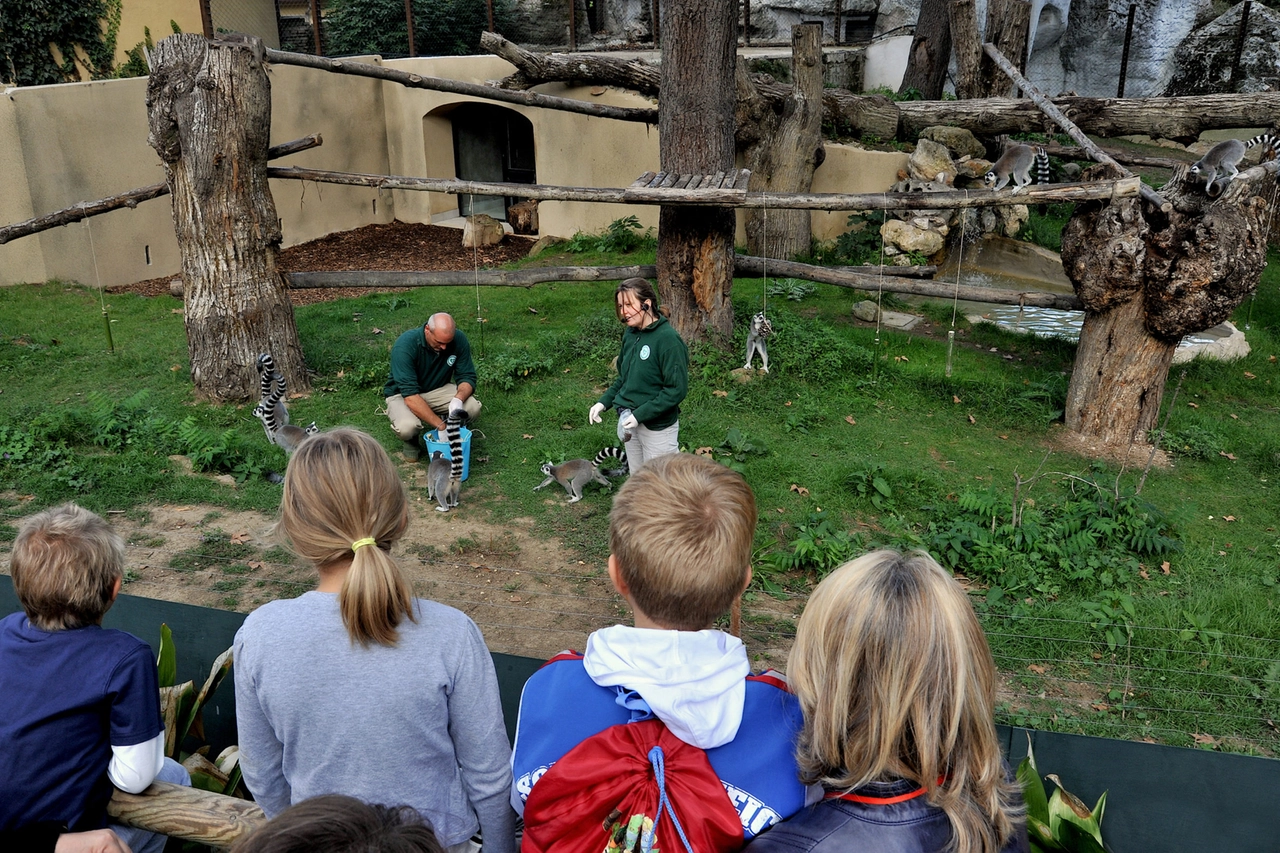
[(721, 188)]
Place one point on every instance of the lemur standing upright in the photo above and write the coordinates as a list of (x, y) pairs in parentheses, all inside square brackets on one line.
[(444, 476), (272, 411), (760, 329), (1016, 163), (268, 379)]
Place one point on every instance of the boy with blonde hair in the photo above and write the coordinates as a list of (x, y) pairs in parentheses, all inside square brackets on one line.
[(680, 536), (79, 703)]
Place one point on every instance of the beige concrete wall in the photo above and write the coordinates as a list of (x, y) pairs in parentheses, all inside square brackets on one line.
[(81, 142), (138, 15)]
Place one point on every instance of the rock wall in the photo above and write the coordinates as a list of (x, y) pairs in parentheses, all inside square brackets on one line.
[(1204, 59), (1093, 41)]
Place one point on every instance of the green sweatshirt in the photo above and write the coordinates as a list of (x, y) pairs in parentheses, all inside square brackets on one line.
[(653, 375), (417, 369)]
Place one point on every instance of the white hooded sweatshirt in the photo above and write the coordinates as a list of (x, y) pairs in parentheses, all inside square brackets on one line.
[(692, 680)]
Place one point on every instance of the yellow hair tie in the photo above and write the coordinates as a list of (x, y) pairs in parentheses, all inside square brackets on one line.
[(360, 543)]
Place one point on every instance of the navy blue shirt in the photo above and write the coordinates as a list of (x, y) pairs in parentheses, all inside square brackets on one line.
[(67, 697)]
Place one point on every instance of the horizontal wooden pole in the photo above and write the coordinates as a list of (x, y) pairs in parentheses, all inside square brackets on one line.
[(947, 200), (744, 266), (188, 813), (457, 87), (130, 199)]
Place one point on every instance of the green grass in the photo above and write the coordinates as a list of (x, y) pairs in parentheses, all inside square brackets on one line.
[(1196, 654)]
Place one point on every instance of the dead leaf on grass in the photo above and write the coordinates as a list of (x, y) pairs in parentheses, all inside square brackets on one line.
[(239, 538), (1164, 567), (375, 331), (1203, 739), (956, 399), (526, 436), (1227, 455), (1248, 375), (704, 451), (1038, 669), (254, 564), (1193, 405), (850, 421), (1228, 518), (719, 393), (800, 490), (972, 419), (1142, 573)]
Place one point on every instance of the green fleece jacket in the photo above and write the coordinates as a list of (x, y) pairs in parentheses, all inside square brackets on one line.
[(653, 375), (417, 369)]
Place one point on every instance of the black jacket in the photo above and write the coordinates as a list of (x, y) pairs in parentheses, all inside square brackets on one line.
[(884, 818)]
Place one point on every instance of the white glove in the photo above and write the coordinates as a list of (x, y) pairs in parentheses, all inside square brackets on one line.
[(629, 422), (593, 416), (456, 408)]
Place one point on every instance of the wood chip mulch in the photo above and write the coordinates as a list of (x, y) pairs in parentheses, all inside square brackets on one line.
[(393, 246)]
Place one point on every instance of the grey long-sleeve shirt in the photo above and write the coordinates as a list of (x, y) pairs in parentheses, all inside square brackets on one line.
[(418, 724)]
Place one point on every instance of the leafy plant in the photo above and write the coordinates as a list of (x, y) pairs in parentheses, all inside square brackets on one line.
[(181, 706), (1060, 823), (505, 368), (1199, 630), (819, 546), (737, 448), (1114, 617), (792, 289), (619, 237), (861, 244), (870, 484), (1196, 442)]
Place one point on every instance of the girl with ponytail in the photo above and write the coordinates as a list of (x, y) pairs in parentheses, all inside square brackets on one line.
[(357, 687)]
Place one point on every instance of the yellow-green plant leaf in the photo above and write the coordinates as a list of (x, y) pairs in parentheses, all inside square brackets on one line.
[(1077, 840), (1033, 787), (167, 660), (1042, 840), (172, 701), (217, 672), (1099, 809), (202, 769), (1066, 808)]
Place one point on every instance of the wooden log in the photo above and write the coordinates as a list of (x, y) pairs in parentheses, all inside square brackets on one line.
[(130, 199), (1070, 152), (187, 813), (643, 180), (470, 278), (744, 264), (738, 198), (1048, 108), (457, 87)]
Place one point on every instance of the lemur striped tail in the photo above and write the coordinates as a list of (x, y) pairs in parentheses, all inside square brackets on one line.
[(1041, 166), (1271, 142), (266, 369), (617, 454), (453, 433)]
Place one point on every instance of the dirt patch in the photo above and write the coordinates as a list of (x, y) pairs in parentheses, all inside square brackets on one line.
[(393, 246), (1131, 456)]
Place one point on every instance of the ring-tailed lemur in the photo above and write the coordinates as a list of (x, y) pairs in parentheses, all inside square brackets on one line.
[(1016, 163), (576, 473), (760, 329), (1222, 161), (271, 380), (618, 455), (444, 476)]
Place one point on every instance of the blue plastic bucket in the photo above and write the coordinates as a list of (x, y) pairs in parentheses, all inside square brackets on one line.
[(433, 441)]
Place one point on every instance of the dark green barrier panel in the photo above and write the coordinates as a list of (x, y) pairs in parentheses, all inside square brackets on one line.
[(1161, 798)]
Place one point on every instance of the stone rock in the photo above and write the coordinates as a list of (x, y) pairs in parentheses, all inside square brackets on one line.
[(543, 242), (970, 173), (482, 230), (909, 238), (1228, 344), (175, 287), (929, 160), (866, 311), (1088, 53), (523, 216), (959, 141), (1204, 58), (1014, 217), (1071, 171)]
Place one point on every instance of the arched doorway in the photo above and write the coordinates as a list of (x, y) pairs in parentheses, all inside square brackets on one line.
[(491, 144)]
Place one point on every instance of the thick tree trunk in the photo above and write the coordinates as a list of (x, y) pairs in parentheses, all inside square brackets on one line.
[(930, 51), (695, 129), (1146, 284), (1008, 25), (968, 49), (209, 109), (787, 149)]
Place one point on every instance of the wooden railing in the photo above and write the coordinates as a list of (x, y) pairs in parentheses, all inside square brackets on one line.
[(188, 813)]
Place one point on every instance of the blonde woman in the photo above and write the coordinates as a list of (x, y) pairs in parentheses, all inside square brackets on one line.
[(357, 687), (897, 686)]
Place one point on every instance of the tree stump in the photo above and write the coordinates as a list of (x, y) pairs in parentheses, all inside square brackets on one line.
[(1147, 280), (695, 127), (209, 111)]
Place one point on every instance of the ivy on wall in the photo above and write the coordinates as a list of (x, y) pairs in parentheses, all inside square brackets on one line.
[(41, 41)]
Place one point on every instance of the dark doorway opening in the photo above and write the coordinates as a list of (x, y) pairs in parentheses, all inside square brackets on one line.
[(491, 144)]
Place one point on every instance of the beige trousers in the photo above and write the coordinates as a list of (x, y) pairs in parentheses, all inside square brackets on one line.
[(408, 426)]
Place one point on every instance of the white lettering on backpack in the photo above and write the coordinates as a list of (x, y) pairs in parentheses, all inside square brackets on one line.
[(525, 783), (756, 817)]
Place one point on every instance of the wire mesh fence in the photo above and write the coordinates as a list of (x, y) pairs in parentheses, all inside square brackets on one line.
[(1100, 674)]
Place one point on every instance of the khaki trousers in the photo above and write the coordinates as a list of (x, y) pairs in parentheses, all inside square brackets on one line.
[(408, 426)]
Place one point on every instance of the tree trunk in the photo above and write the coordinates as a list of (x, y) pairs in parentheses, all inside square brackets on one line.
[(968, 49), (696, 136), (930, 51), (1146, 284), (1008, 25), (787, 149), (209, 109)]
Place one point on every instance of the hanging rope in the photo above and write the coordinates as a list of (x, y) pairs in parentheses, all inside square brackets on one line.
[(475, 259), (764, 261), (955, 294), (102, 300)]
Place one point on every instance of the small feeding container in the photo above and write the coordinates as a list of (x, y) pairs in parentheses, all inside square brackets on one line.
[(434, 441)]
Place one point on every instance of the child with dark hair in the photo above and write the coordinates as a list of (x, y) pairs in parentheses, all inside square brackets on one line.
[(79, 703), (334, 823)]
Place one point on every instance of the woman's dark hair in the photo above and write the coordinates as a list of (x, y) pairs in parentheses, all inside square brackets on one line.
[(334, 823), (643, 291)]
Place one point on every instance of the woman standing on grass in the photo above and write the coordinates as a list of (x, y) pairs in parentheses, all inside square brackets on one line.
[(653, 377), (358, 688), (897, 686)]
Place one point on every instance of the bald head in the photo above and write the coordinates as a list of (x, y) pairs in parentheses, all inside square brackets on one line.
[(439, 331)]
